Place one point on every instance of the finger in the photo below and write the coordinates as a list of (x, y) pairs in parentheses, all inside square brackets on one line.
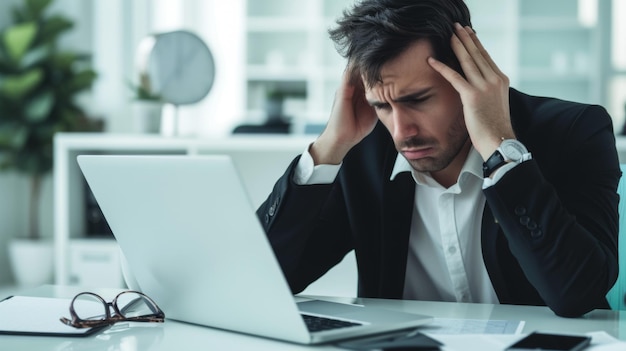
[(352, 74), (358, 92), (472, 49), (468, 65), (351, 89), (344, 91), (483, 51), (453, 77)]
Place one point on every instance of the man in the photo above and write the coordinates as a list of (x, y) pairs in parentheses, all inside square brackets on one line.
[(448, 184)]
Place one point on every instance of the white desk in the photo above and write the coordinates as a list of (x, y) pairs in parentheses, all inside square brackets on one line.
[(173, 335)]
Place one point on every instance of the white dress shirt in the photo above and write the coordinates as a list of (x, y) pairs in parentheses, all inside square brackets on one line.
[(445, 261)]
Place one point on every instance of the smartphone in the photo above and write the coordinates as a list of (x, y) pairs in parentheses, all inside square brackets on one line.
[(551, 342)]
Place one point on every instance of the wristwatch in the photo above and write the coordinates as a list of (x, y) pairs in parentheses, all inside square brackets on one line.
[(510, 150)]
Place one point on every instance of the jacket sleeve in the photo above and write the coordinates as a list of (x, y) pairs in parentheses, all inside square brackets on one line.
[(558, 212), (307, 228)]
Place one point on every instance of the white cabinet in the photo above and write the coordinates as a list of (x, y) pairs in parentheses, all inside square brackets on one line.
[(288, 52), (94, 263), (560, 49), (548, 48)]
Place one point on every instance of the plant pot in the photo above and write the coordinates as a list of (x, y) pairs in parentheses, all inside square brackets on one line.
[(147, 116), (32, 261)]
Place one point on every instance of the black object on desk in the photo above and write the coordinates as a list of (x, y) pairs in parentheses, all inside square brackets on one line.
[(400, 341), (551, 342), (270, 127)]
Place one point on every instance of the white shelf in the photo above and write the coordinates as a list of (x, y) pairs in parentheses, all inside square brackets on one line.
[(278, 73), (549, 23), (280, 24), (549, 74)]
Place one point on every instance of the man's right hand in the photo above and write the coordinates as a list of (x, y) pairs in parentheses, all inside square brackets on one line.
[(351, 120)]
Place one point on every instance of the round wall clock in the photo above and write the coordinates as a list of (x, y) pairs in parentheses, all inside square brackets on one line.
[(177, 66)]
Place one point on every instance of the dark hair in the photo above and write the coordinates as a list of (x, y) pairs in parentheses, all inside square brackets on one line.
[(376, 31)]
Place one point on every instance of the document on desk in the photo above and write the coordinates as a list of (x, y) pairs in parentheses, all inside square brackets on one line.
[(473, 326), (28, 315)]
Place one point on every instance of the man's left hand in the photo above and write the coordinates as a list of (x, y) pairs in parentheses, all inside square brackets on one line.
[(484, 91)]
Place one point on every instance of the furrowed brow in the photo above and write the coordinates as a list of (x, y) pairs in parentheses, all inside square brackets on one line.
[(417, 95), (413, 96), (376, 103)]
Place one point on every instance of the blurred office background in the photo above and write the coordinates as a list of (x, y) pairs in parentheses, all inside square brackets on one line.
[(572, 49)]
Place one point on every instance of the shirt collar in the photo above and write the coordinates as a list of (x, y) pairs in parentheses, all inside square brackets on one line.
[(473, 165)]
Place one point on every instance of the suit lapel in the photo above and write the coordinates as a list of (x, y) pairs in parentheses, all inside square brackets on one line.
[(398, 203)]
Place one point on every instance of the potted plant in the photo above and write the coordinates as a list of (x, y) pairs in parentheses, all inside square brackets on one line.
[(147, 108), (39, 82)]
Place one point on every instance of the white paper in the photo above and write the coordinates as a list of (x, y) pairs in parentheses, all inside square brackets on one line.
[(472, 326), (26, 314)]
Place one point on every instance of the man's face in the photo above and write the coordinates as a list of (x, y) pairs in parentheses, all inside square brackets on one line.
[(421, 110)]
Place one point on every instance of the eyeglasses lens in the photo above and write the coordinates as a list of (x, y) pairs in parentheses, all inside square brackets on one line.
[(89, 307), (132, 305)]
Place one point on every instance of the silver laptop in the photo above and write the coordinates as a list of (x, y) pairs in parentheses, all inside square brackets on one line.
[(194, 244)]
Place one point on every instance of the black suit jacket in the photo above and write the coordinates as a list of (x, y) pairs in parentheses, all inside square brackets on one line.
[(549, 228)]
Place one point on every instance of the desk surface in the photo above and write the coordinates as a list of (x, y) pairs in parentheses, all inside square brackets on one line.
[(174, 335)]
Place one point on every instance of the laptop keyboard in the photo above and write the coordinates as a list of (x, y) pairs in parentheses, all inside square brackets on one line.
[(315, 323)]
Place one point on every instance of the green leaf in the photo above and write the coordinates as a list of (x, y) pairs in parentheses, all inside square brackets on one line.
[(63, 60), (83, 80), (53, 27), (39, 107), (35, 56), (17, 86), (37, 7), (19, 38), (38, 85)]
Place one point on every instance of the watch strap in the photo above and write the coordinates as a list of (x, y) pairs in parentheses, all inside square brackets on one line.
[(495, 161)]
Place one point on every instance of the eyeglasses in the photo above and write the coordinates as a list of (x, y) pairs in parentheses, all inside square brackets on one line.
[(88, 310)]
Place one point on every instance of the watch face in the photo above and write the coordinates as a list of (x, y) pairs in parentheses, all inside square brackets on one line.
[(180, 67), (513, 150)]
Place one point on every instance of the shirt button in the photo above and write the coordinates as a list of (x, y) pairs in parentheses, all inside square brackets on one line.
[(452, 249), (536, 233), (531, 225)]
